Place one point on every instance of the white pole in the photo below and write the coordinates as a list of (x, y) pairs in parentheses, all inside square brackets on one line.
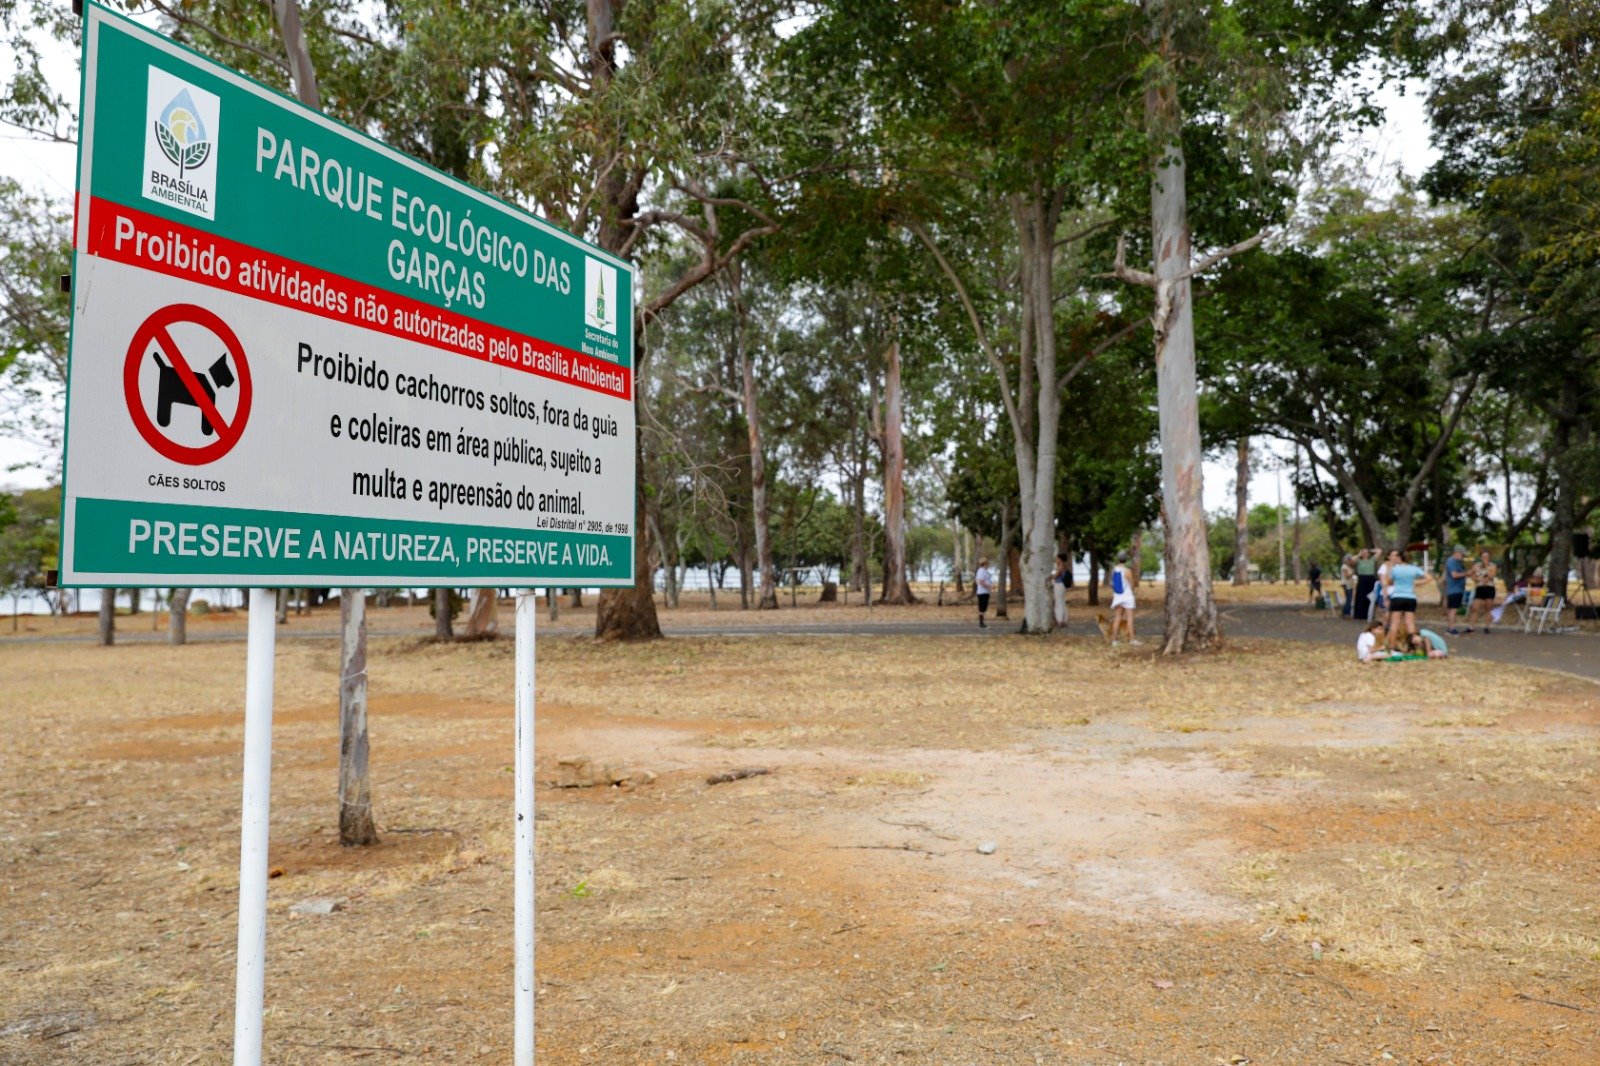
[(527, 614), (250, 983)]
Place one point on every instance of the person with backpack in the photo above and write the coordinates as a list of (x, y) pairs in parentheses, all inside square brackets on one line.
[(1122, 601)]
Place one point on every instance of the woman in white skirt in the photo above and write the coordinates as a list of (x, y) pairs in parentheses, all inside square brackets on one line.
[(1122, 601)]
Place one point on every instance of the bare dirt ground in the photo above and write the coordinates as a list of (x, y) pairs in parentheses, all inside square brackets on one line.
[(1269, 855)]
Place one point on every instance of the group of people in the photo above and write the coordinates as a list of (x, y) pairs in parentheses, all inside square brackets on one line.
[(1122, 597), (1386, 595)]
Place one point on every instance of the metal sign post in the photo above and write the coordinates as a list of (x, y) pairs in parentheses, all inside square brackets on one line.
[(301, 358), (522, 1045), (251, 968)]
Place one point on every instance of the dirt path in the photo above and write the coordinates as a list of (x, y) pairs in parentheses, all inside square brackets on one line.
[(1274, 855)]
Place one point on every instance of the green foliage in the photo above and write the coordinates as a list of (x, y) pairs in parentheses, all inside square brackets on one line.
[(30, 539), (34, 313)]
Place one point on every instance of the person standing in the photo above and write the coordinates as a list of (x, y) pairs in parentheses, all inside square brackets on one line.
[(1347, 584), (1483, 574), (983, 583), (1403, 579), (1395, 557), (1058, 587), (1366, 583), (1455, 587), (1122, 600)]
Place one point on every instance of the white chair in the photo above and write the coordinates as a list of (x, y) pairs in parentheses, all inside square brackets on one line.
[(1545, 612)]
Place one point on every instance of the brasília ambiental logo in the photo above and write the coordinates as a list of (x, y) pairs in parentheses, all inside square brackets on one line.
[(181, 134)]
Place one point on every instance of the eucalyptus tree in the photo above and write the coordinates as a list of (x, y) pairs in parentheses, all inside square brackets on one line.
[(1365, 349), (34, 313), (992, 126), (1234, 82), (1516, 115)]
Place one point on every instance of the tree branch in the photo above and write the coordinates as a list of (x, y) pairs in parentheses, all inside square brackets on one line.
[(1216, 257), (977, 324), (1094, 353), (1123, 272), (184, 20)]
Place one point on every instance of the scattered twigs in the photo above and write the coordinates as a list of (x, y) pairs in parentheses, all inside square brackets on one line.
[(737, 775), (926, 828), (1551, 1003)]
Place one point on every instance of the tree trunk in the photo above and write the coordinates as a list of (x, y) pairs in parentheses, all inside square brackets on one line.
[(1294, 495), (669, 563), (575, 599), (135, 601), (1003, 563), (1136, 557), (1094, 578), (858, 531), (552, 600), (444, 627), (108, 617), (1241, 515), (743, 563), (355, 784), (482, 613), (896, 589), (1564, 504), (283, 606), (1191, 614), (957, 561), (352, 602), (178, 616), (1036, 219), (625, 613)]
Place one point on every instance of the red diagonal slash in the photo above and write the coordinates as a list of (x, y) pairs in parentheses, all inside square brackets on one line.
[(155, 331), (192, 383)]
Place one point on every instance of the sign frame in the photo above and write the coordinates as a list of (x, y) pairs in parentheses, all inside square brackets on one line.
[(508, 548)]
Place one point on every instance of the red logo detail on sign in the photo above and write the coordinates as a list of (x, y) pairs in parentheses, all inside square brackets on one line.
[(182, 384)]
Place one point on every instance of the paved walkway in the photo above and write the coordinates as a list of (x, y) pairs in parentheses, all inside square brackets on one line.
[(1572, 653)]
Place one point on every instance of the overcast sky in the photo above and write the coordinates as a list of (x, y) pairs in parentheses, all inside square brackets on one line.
[(1400, 144)]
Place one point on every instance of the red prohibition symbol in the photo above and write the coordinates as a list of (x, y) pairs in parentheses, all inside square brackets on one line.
[(181, 383)]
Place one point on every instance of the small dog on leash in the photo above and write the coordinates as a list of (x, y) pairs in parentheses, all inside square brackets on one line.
[(1103, 620)]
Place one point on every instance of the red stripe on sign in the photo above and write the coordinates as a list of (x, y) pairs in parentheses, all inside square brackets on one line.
[(125, 235)]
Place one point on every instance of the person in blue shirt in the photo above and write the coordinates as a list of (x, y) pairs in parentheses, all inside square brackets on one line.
[(1404, 577), (1455, 587), (1431, 644)]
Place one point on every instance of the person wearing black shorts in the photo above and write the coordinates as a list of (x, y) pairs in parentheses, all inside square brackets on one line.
[(1483, 575), (1403, 581), (983, 582)]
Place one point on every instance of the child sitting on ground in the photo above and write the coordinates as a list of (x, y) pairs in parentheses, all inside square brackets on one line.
[(1367, 643)]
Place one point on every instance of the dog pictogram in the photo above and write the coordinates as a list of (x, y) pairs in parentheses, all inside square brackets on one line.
[(172, 390), (178, 384)]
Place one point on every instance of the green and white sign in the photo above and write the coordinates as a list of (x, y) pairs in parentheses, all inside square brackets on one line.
[(300, 357)]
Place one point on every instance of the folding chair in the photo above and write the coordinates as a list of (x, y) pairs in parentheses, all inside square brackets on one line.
[(1548, 611)]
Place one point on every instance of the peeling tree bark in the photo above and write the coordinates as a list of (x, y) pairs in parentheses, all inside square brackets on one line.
[(444, 627), (355, 784), (895, 587), (178, 616), (1191, 615), (107, 623)]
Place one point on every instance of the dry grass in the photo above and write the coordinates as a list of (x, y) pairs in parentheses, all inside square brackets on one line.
[(1438, 870)]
